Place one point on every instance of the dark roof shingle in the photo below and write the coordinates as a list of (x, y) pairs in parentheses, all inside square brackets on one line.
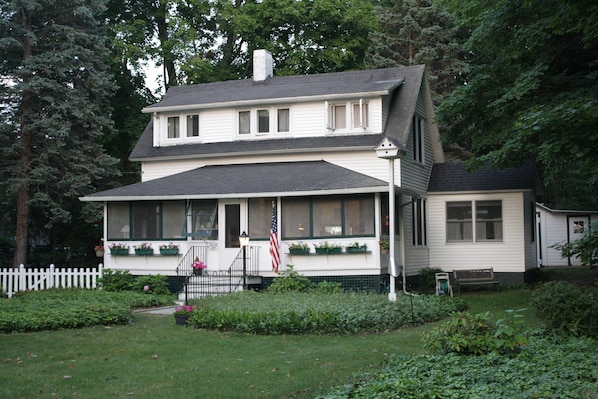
[(452, 177), (259, 179)]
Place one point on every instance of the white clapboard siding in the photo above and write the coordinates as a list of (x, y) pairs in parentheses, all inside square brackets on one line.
[(506, 256), (364, 162), (34, 279)]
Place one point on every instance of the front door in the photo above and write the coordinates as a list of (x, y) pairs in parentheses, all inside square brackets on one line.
[(234, 225)]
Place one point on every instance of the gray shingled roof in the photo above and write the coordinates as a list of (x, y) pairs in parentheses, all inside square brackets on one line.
[(278, 87), (248, 180), (452, 177), (402, 83)]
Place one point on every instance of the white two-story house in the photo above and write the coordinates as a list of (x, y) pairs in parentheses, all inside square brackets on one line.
[(218, 158)]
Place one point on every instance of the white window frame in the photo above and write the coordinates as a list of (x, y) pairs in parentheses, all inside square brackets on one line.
[(254, 121), (163, 126), (473, 222), (356, 118)]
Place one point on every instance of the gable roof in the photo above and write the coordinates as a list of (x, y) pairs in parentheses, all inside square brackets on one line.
[(452, 177), (248, 180), (403, 84)]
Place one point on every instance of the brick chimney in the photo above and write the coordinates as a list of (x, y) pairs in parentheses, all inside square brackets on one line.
[(262, 65)]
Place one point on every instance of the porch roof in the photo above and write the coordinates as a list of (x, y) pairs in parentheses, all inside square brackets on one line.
[(248, 181)]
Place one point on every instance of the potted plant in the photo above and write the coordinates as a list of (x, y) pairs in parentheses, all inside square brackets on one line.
[(198, 267), (182, 313), (328, 248), (144, 249), (169, 249), (384, 246), (99, 250), (356, 248), (299, 248), (119, 249)]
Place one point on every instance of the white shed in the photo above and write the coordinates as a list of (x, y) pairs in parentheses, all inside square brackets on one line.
[(560, 227)]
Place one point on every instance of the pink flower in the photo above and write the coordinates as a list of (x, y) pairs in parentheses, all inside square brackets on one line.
[(146, 287)]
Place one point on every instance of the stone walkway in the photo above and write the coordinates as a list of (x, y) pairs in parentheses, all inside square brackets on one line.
[(167, 310)]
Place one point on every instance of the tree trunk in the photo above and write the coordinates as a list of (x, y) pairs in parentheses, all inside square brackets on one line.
[(25, 159)]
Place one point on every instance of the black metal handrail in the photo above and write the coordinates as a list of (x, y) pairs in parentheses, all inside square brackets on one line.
[(222, 281)]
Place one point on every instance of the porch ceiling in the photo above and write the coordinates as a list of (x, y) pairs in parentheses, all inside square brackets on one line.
[(248, 180)]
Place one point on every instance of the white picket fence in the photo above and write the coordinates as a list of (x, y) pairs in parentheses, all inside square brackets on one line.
[(25, 279)]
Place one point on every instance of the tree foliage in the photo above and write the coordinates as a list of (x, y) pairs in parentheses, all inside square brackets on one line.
[(411, 32), (55, 96), (531, 92)]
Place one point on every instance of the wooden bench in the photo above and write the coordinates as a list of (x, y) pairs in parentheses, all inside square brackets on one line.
[(474, 277)]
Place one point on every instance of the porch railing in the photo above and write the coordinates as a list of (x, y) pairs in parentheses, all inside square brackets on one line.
[(221, 281)]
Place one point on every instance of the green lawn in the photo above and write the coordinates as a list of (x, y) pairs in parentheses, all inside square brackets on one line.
[(154, 357)]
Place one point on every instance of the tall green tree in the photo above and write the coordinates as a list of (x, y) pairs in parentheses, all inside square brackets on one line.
[(411, 32), (531, 92), (55, 98)]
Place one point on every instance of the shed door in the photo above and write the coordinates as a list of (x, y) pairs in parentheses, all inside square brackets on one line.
[(577, 226)]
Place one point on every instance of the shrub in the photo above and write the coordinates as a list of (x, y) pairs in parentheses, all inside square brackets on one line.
[(567, 307), (152, 284), (586, 248), (117, 280), (427, 278), (329, 287), (468, 334), (290, 280)]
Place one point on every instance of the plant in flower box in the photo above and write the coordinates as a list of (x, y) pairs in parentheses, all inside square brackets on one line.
[(169, 249), (328, 248), (143, 249), (119, 249), (356, 248), (198, 267), (182, 313), (299, 248)]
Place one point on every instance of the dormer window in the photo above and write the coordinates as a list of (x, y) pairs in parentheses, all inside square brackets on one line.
[(173, 127), (283, 120), (349, 116), (192, 125), (244, 122), (263, 121)]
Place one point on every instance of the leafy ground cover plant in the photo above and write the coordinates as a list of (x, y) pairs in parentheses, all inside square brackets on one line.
[(59, 308), (537, 372), (476, 334), (317, 313)]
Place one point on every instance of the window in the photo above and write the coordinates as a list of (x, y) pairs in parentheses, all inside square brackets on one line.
[(327, 217), (418, 212), (460, 223), (118, 220), (146, 220), (283, 120), (418, 139), (339, 117), (360, 115), (488, 220), (203, 218), (263, 121), (173, 127), (244, 122), (192, 125), (260, 217)]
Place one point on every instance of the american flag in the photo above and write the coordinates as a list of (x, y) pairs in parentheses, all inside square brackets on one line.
[(274, 247)]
